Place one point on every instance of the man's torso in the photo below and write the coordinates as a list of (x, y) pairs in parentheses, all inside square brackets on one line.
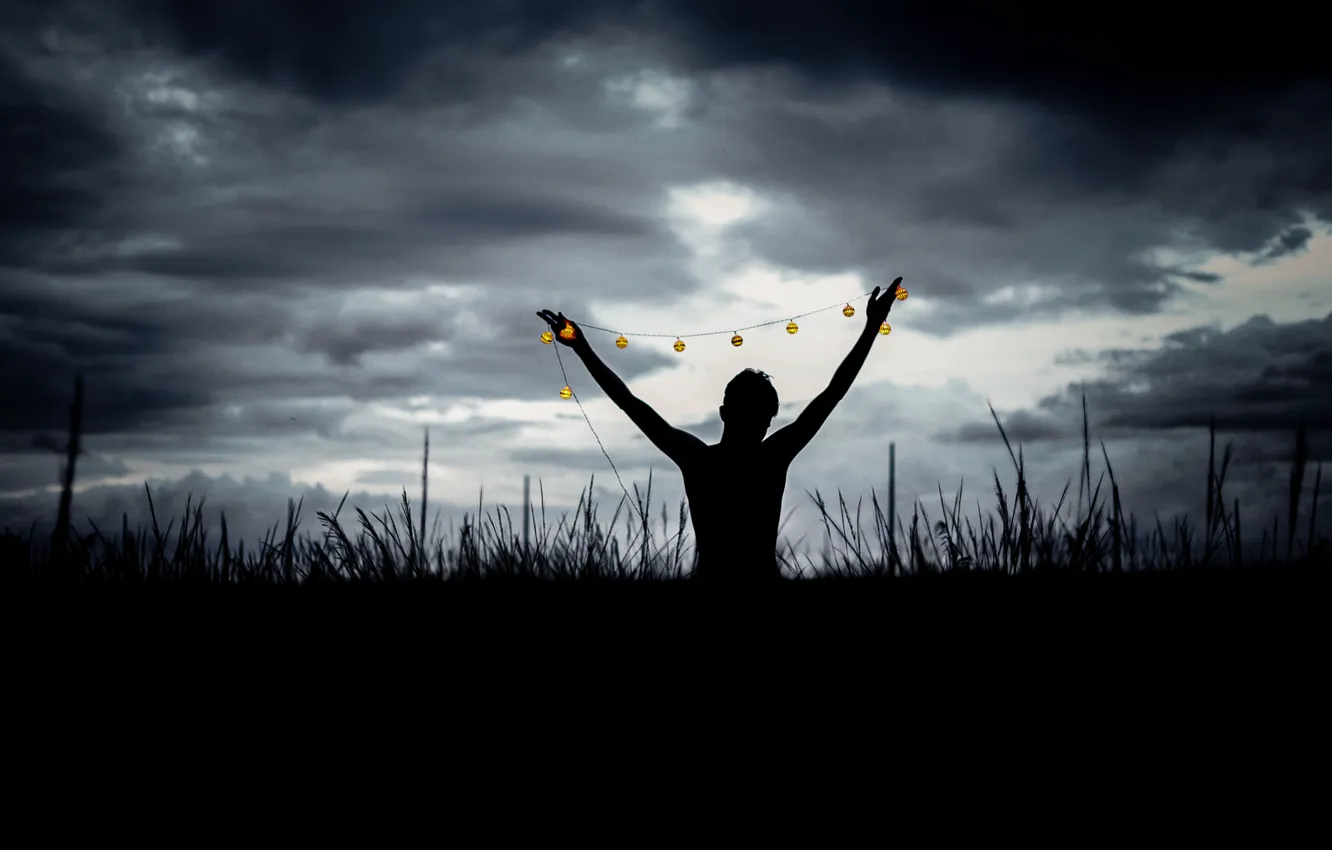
[(735, 501)]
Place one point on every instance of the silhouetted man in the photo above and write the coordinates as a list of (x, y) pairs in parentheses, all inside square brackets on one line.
[(735, 487)]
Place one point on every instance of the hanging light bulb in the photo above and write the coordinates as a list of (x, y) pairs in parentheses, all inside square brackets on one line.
[(679, 346), (621, 342), (568, 332), (793, 327), (737, 340), (885, 329), (566, 393), (901, 294), (848, 311), (547, 337)]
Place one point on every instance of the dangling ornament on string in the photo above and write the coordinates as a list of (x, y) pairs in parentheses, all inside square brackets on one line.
[(793, 327), (901, 294), (547, 337), (885, 329), (848, 311), (621, 342), (679, 345), (737, 340), (566, 393)]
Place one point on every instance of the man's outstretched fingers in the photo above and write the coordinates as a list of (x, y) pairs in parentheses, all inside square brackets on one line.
[(550, 318)]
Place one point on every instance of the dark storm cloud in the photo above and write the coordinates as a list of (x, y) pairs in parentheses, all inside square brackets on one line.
[(38, 381), (1021, 427), (1149, 67), (304, 43), (307, 43), (1122, 93), (1292, 241), (139, 353), (480, 216), (351, 248), (264, 192), (1117, 96), (24, 472), (1260, 378), (57, 163), (1109, 356), (344, 342), (1138, 59)]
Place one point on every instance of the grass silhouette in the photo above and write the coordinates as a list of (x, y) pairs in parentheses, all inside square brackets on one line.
[(390, 549)]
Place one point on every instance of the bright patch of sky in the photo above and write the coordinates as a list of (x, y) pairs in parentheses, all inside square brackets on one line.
[(661, 95)]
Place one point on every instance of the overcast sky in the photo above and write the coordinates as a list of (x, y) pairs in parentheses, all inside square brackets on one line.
[(281, 238)]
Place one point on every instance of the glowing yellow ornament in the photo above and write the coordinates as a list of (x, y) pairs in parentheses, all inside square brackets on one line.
[(566, 393), (793, 327), (568, 332), (848, 311), (621, 342), (885, 329), (737, 340), (679, 346), (547, 337), (901, 294)]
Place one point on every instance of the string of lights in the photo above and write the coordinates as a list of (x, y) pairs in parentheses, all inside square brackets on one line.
[(622, 342)]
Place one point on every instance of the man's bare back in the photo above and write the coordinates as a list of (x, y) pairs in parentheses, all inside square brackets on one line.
[(735, 501)]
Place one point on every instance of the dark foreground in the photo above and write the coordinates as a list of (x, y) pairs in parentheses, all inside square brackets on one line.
[(975, 603), (892, 649), (1294, 576)]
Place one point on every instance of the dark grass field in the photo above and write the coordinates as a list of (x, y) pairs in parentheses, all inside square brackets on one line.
[(926, 627), (1025, 553)]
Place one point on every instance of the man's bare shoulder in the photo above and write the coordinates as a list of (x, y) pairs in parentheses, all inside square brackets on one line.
[(692, 451)]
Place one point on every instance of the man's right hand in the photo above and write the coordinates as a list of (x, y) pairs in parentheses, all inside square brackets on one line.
[(561, 326)]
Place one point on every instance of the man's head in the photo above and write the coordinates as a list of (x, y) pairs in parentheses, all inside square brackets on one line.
[(749, 405)]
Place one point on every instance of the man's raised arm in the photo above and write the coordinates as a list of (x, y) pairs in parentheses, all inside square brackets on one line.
[(789, 441), (676, 444)]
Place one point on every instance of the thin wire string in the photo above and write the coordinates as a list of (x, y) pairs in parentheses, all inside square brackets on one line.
[(735, 330), (589, 421)]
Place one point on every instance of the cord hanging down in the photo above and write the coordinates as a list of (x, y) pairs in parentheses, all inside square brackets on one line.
[(569, 390)]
